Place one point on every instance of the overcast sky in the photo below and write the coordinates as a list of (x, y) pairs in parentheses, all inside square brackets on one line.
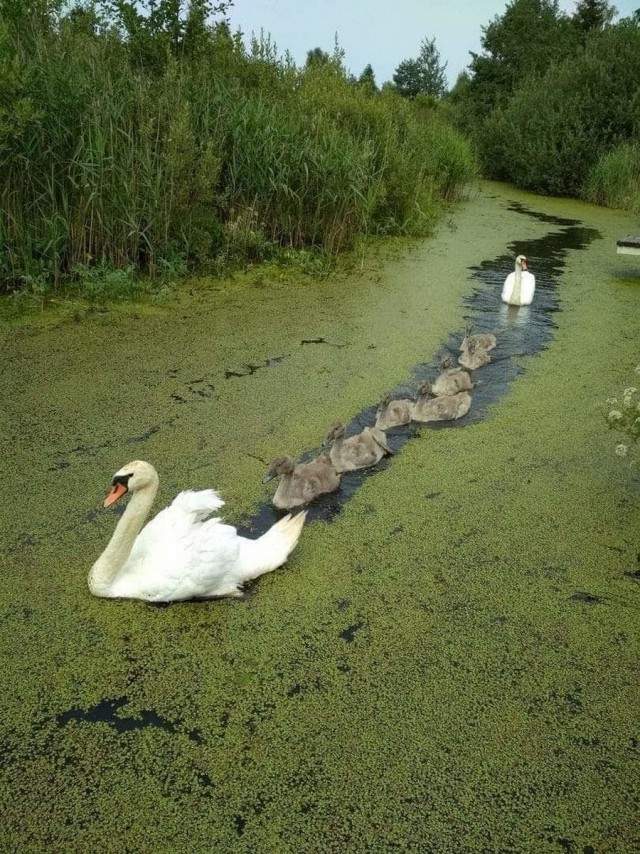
[(382, 32)]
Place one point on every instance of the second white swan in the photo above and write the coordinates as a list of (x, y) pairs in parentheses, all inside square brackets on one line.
[(519, 286)]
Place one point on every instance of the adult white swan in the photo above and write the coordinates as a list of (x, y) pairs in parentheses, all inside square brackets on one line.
[(519, 286), (181, 554)]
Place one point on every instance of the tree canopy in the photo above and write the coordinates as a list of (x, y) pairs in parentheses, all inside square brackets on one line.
[(523, 42), (367, 79), (593, 15), (316, 57), (551, 93), (424, 75)]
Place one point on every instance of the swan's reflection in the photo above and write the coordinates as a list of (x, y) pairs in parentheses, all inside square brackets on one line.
[(514, 316)]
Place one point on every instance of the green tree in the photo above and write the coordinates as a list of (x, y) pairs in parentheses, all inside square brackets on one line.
[(161, 28), (458, 104), (522, 43), (316, 57), (367, 79), (460, 87), (593, 15), (82, 19), (424, 75), (407, 78), (553, 130)]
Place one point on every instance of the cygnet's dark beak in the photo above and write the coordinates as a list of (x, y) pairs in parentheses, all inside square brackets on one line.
[(268, 476)]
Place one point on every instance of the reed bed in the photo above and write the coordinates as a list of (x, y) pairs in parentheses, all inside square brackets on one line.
[(111, 162), (615, 179)]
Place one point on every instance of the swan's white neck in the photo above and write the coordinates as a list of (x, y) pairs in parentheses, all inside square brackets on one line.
[(517, 286), (105, 570)]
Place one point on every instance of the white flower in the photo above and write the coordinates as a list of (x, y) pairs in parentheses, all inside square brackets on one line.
[(621, 450), (638, 369), (614, 415), (612, 401)]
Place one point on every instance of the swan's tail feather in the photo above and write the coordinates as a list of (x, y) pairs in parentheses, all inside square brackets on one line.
[(272, 549)]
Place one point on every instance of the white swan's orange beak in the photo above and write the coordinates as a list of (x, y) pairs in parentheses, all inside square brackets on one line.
[(524, 263), (119, 489)]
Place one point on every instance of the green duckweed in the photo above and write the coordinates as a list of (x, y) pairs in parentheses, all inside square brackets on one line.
[(451, 665)]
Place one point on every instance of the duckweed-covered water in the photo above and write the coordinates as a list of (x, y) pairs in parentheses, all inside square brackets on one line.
[(520, 331), (450, 665)]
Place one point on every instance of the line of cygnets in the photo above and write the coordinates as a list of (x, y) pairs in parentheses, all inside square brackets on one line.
[(446, 399)]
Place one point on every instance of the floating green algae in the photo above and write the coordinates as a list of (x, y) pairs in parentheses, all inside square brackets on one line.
[(452, 665)]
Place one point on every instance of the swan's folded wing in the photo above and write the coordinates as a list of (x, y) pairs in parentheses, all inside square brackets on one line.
[(170, 525), (507, 288), (528, 287), (381, 439), (212, 551), (177, 558), (198, 505)]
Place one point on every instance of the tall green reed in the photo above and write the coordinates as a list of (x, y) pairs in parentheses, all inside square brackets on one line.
[(615, 179), (105, 162)]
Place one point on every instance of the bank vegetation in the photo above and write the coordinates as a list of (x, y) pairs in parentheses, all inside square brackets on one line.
[(552, 103), (138, 142)]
